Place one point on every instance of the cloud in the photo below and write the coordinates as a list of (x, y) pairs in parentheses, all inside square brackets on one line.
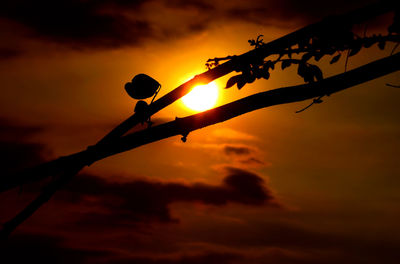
[(108, 24), (150, 200), (249, 185), (201, 5), (25, 248), (244, 155), (200, 258), (8, 53), (105, 24), (271, 243), (79, 23), (287, 12), (237, 150), (17, 149), (252, 161), (231, 134)]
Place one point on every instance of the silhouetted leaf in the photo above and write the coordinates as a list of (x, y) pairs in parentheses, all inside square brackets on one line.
[(241, 82), (368, 42), (309, 72), (259, 41), (355, 49), (316, 71), (317, 101), (318, 56), (269, 64), (335, 59), (232, 81), (381, 45), (250, 78), (303, 43), (301, 69), (285, 64), (307, 56), (330, 51), (266, 75)]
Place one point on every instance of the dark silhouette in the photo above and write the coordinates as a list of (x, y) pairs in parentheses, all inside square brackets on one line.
[(142, 86), (330, 37)]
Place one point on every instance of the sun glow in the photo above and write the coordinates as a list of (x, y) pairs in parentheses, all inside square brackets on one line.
[(201, 97)]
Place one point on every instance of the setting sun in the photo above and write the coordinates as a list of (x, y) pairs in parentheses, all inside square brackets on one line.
[(202, 97)]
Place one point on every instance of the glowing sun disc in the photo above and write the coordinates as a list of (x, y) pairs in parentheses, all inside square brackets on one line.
[(201, 97)]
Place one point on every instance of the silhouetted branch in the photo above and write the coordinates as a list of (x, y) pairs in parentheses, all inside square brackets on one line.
[(183, 126), (279, 45), (44, 196), (301, 92), (392, 85), (329, 24), (113, 143)]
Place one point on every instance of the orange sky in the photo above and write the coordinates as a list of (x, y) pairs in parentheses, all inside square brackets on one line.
[(270, 186)]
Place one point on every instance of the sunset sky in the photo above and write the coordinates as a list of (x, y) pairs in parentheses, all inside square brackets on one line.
[(270, 186)]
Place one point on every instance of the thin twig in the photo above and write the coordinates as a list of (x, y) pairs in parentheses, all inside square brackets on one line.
[(392, 85), (279, 96), (314, 101)]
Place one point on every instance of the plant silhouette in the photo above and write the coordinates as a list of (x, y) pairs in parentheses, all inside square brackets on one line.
[(332, 37)]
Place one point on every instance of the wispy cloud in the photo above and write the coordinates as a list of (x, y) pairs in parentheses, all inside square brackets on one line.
[(231, 134)]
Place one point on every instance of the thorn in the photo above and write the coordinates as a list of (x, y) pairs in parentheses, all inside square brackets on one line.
[(184, 137)]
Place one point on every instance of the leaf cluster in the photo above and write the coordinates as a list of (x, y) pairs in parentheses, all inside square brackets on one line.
[(332, 41)]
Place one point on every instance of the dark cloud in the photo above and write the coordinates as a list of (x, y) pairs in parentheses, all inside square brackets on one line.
[(237, 150), (206, 257), (145, 200), (201, 5), (87, 24), (80, 23), (28, 248), (8, 53), (245, 155), (17, 149), (252, 162), (289, 11), (248, 184), (271, 243)]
